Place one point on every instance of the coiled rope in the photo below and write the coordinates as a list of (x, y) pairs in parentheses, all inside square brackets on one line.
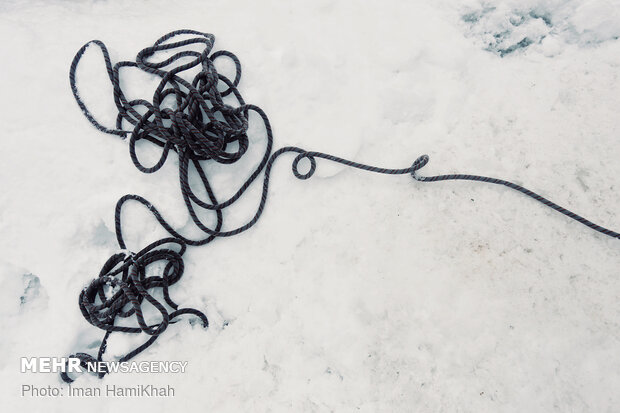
[(192, 119)]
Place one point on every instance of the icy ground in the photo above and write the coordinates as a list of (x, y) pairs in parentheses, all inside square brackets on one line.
[(355, 292)]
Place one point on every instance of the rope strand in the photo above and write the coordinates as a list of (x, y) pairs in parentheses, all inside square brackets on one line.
[(423, 160)]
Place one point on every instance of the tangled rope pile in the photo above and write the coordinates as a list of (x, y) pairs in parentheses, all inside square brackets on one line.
[(192, 119)]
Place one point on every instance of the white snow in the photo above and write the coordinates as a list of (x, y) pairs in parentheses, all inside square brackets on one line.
[(354, 292)]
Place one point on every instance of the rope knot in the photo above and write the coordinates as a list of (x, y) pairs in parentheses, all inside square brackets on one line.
[(183, 116), (126, 281)]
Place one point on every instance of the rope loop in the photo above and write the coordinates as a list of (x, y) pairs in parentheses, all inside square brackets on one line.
[(295, 166), (417, 165)]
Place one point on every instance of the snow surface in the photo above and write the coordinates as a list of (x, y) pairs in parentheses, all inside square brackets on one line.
[(355, 292)]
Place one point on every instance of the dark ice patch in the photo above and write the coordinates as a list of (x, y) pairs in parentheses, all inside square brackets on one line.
[(513, 32), (32, 288)]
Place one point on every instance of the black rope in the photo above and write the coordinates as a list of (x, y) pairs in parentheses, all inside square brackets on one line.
[(192, 119), (423, 160)]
